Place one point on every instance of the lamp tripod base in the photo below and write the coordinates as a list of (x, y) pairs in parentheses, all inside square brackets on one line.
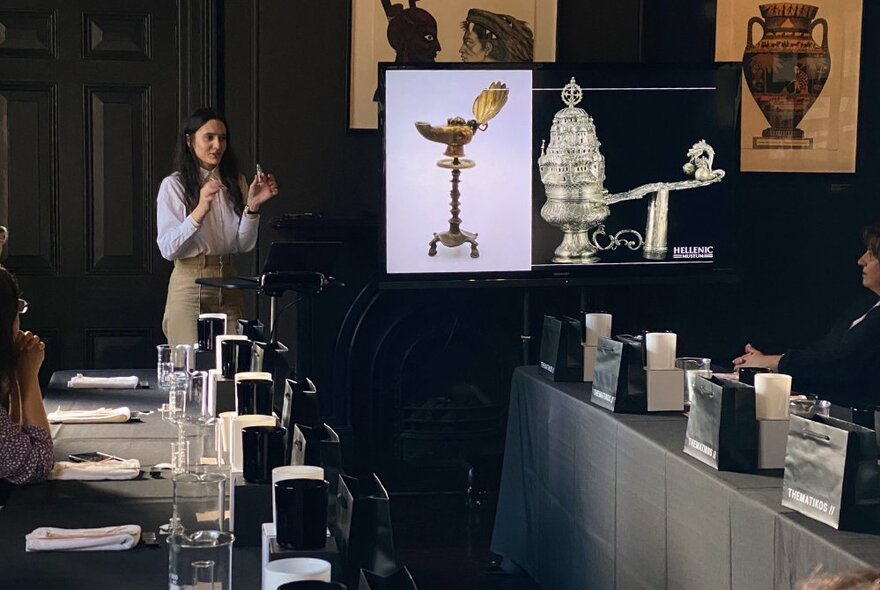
[(454, 239), (455, 236)]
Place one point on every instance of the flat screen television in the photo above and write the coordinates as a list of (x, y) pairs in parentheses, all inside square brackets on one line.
[(645, 119)]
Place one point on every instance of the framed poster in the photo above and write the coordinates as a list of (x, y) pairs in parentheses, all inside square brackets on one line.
[(800, 92), (424, 31)]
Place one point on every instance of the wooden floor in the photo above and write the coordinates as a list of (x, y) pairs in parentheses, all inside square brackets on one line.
[(445, 543)]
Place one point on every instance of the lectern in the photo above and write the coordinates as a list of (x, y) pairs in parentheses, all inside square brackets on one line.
[(302, 267)]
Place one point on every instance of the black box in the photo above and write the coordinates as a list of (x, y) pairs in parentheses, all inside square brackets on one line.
[(225, 401), (250, 505), (205, 360)]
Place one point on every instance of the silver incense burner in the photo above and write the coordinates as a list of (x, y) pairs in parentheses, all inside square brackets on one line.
[(573, 172)]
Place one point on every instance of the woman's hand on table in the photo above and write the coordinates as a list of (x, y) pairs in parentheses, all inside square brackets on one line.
[(755, 358)]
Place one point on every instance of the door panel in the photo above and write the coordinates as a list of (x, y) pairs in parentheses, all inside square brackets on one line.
[(88, 115)]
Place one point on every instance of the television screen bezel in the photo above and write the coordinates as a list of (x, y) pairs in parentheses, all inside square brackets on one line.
[(577, 274)]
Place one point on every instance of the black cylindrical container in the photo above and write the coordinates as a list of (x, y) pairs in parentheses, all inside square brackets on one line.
[(263, 449), (236, 357), (253, 393), (302, 513), (209, 326)]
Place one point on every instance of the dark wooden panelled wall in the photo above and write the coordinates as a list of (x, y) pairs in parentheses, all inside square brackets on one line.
[(92, 91)]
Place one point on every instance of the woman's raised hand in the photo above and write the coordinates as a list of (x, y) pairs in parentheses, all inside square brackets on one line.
[(263, 188), (31, 352), (210, 191)]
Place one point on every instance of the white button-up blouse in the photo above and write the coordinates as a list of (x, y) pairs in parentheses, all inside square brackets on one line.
[(222, 231)]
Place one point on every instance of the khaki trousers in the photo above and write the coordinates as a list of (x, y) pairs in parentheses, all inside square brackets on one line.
[(187, 299)]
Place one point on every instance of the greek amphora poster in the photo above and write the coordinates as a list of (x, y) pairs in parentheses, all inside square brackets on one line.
[(800, 66)]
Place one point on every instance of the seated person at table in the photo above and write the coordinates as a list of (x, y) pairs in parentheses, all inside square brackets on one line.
[(844, 366), (25, 443)]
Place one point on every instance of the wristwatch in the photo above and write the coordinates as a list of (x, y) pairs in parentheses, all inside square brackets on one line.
[(247, 211)]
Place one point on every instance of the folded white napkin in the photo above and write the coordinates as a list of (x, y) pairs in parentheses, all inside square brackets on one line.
[(96, 470), (80, 381), (96, 416), (111, 538)]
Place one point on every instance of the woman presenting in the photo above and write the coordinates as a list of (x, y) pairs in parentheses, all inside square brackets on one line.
[(205, 212), (844, 366)]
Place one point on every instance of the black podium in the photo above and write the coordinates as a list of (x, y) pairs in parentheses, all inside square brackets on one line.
[(302, 267)]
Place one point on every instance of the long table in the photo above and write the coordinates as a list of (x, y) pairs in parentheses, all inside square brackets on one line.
[(145, 501), (592, 499)]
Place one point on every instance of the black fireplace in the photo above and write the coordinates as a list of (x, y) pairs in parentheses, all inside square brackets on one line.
[(416, 381), (427, 375)]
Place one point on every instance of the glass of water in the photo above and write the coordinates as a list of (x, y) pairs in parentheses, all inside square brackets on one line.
[(693, 367), (164, 367)]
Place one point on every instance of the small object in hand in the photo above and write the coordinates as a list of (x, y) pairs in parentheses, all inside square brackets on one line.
[(259, 173), (149, 538)]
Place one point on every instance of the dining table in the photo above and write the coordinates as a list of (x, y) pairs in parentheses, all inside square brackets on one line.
[(145, 500)]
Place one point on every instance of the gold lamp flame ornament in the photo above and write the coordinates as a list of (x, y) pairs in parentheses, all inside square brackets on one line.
[(456, 134), (489, 103)]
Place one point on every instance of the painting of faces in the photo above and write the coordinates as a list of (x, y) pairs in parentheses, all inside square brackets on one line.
[(427, 31)]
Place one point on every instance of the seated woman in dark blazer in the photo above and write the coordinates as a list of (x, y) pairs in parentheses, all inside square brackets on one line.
[(844, 366), (25, 443)]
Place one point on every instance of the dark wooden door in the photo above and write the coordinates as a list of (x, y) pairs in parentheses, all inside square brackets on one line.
[(89, 101)]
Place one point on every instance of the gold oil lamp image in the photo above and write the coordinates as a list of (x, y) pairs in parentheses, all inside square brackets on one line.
[(456, 134)]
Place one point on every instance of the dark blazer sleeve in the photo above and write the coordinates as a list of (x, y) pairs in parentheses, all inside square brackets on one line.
[(843, 367)]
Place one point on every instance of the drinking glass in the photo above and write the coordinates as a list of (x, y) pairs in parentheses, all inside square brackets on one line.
[(199, 501), (201, 560), (177, 395), (693, 367), (164, 367), (195, 401), (179, 456), (182, 358)]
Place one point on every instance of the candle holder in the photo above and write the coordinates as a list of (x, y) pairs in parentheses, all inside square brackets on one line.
[(456, 134)]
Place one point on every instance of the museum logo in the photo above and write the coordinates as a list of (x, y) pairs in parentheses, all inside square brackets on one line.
[(700, 252)]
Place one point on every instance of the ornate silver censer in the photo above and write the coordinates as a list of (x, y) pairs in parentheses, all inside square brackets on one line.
[(456, 134), (573, 172)]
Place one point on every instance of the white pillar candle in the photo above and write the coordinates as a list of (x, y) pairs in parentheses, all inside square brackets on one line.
[(238, 423), (597, 324), (294, 569), (661, 349), (293, 472), (772, 391), (225, 425), (213, 375)]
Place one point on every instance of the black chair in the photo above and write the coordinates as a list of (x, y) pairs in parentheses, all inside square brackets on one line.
[(398, 580), (363, 528), (312, 585)]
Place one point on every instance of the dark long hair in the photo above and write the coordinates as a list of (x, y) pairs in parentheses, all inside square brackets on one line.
[(9, 293), (871, 237), (187, 164)]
